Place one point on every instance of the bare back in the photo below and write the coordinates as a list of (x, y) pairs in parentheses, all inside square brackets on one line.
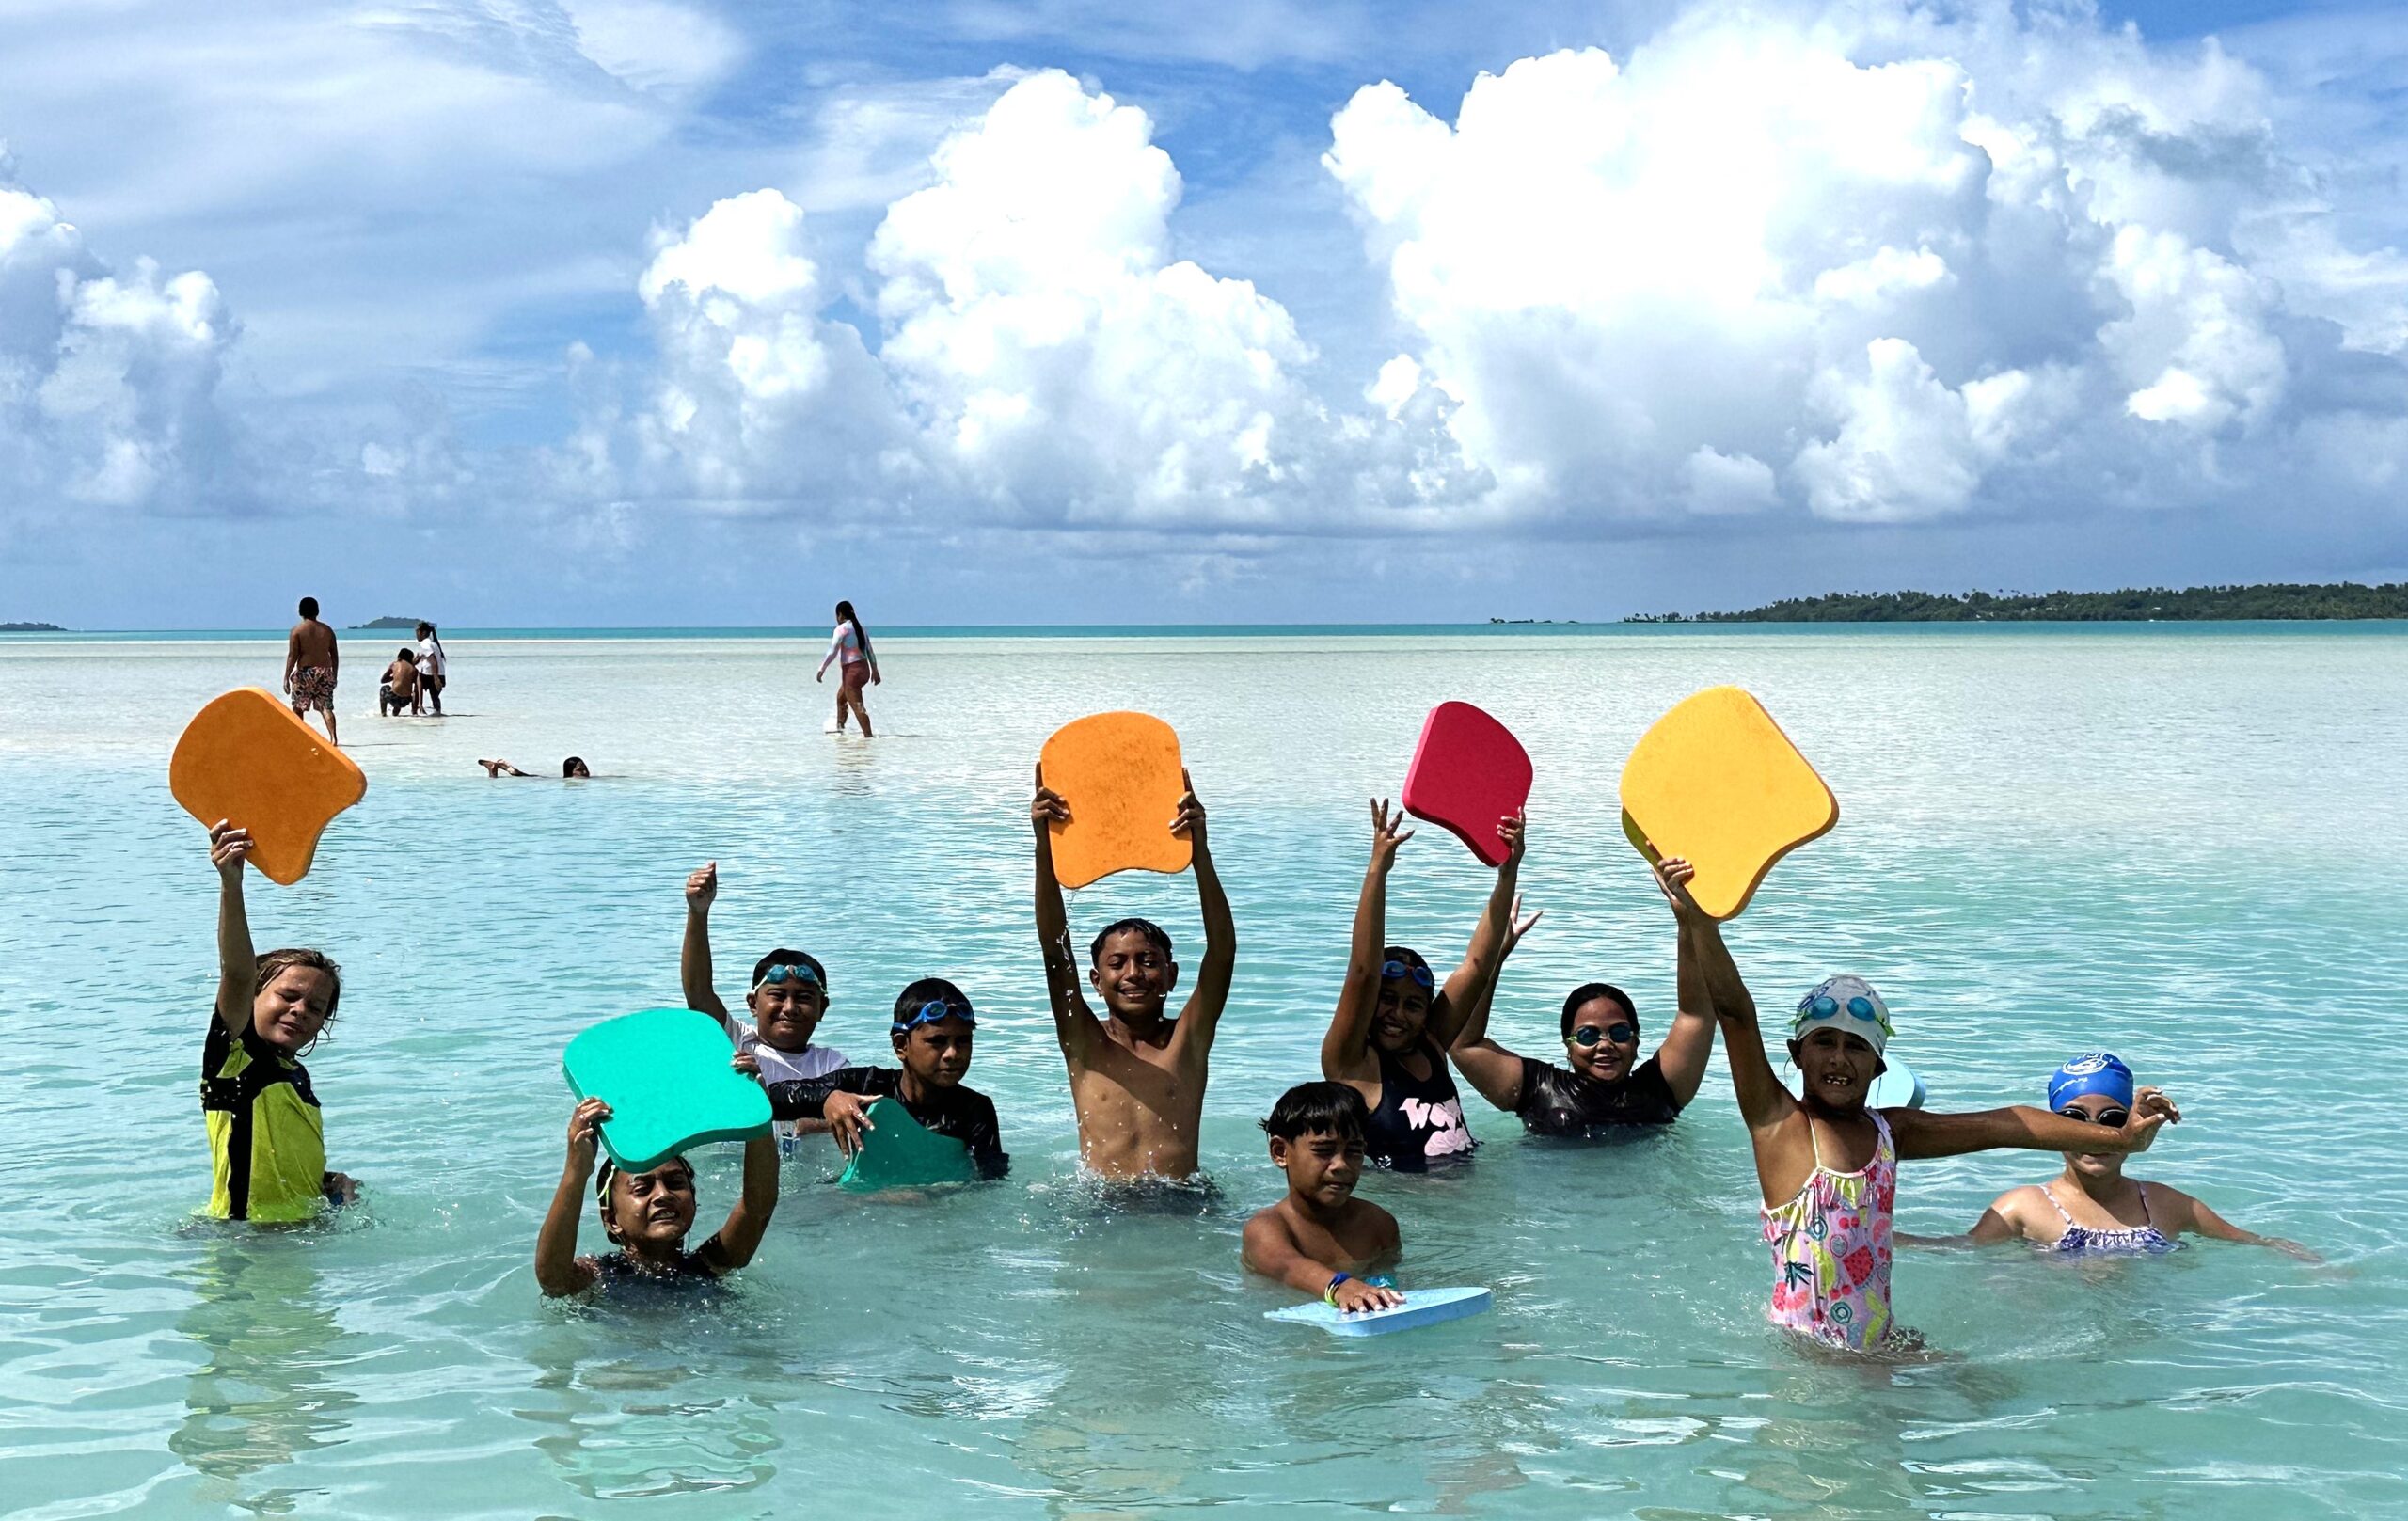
[(312, 643)]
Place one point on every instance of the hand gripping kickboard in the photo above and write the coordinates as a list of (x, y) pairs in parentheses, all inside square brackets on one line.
[(1467, 772), (1717, 782), (903, 1153), (1421, 1307), (1119, 772), (244, 758), (665, 1074)]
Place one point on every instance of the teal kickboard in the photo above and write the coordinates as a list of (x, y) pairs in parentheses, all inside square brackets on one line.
[(1898, 1088), (1421, 1307), (665, 1073), (903, 1153)]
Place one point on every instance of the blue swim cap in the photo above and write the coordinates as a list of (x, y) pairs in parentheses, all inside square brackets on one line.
[(2097, 1071)]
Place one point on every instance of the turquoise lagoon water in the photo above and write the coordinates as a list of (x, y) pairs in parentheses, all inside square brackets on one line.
[(2185, 844)]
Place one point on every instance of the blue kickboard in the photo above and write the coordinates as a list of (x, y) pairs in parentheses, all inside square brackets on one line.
[(1421, 1307), (1898, 1088), (665, 1073)]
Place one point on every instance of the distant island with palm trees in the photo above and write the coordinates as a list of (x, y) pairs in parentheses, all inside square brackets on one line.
[(2274, 600)]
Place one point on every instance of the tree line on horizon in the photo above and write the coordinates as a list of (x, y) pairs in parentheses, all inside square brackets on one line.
[(2273, 600)]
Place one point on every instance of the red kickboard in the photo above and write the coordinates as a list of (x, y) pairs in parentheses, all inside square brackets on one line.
[(1468, 771)]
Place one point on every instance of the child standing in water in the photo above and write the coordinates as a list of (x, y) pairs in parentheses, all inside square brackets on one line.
[(1318, 1236), (1388, 1038), (647, 1217), (787, 1000), (266, 1136), (933, 1031), (1136, 1078), (2091, 1209), (1827, 1165)]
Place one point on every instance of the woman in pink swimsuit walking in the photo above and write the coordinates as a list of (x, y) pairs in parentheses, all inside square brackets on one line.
[(851, 642)]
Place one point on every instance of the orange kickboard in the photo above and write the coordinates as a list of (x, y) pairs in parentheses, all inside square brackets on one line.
[(1119, 772), (1717, 782), (244, 758)]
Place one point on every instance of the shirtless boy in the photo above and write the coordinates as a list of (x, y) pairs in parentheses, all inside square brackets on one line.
[(1320, 1236), (310, 661), (1136, 1078)]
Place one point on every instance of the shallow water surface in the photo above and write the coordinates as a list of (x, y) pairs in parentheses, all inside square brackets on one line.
[(2189, 844)]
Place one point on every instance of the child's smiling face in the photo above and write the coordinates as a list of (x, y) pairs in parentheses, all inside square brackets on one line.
[(1836, 1069), (1403, 1013), (788, 1013), (1321, 1166), (289, 1011), (1132, 974)]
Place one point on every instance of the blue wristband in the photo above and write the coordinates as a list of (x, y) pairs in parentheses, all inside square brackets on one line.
[(1329, 1295)]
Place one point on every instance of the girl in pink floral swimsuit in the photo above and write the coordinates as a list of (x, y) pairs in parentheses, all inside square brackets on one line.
[(1827, 1165)]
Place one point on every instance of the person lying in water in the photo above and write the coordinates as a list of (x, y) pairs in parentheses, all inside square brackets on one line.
[(1827, 1165), (2091, 1209), (933, 1031), (1136, 1078), (1387, 1039), (1603, 1086), (647, 1217), (570, 769), (1320, 1236)]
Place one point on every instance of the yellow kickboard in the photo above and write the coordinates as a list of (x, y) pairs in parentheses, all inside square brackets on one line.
[(1716, 781)]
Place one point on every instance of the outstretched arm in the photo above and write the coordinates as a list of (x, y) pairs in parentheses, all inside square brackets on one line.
[(1074, 1023), (2023, 1128), (740, 1237), (1682, 1056), (694, 956), (2196, 1216), (237, 963), (1346, 1049), (1268, 1247), (557, 1268), (1486, 950), (1201, 1017), (1496, 1071)]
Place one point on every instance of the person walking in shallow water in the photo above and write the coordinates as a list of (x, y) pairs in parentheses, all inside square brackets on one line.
[(311, 662), (860, 669)]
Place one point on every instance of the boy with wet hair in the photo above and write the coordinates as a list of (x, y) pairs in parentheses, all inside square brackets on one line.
[(787, 1000), (1320, 1236), (1136, 1078), (647, 1217), (933, 1031)]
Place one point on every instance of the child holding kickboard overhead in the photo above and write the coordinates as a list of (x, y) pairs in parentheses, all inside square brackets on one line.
[(787, 1000), (1136, 1078), (933, 1030), (266, 1135), (647, 1217)]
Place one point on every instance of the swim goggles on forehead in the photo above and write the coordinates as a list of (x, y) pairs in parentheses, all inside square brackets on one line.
[(1826, 1006), (781, 974), (1399, 969), (931, 1012), (1620, 1035)]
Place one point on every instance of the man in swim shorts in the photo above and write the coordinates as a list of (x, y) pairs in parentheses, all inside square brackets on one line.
[(312, 663)]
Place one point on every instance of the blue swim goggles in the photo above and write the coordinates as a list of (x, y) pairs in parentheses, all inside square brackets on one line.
[(1826, 1007), (1399, 969), (931, 1012), (781, 974)]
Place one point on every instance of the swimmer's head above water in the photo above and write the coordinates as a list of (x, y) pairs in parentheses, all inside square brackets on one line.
[(934, 1031), (575, 767), (1836, 1040), (1600, 1032), (646, 1213), (789, 998), (1316, 1131), (1407, 989), (293, 994), (1130, 967), (2095, 1087)]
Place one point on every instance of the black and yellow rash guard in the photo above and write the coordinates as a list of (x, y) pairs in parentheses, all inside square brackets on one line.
[(266, 1138)]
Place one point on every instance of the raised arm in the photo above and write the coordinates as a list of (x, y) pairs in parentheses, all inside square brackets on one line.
[(1690, 1041), (2023, 1128), (1201, 1017), (557, 1268), (1346, 1050), (1486, 950), (237, 963), (1074, 1023), (694, 956), (740, 1237), (1763, 1102), (1496, 1071)]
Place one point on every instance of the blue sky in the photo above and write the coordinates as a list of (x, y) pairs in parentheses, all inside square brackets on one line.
[(544, 312)]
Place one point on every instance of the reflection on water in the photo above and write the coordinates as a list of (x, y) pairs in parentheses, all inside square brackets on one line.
[(268, 1389), (658, 1422)]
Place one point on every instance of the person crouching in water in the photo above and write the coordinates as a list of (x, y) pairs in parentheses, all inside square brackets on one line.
[(647, 1217), (933, 1031), (1317, 1238)]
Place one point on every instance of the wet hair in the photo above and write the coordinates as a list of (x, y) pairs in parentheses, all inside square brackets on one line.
[(1322, 1108), (403, 653), (264, 970), (1156, 935), (782, 956), (845, 614), (1410, 957), (1586, 990), (929, 990), (573, 766), (609, 1170), (308, 607)]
